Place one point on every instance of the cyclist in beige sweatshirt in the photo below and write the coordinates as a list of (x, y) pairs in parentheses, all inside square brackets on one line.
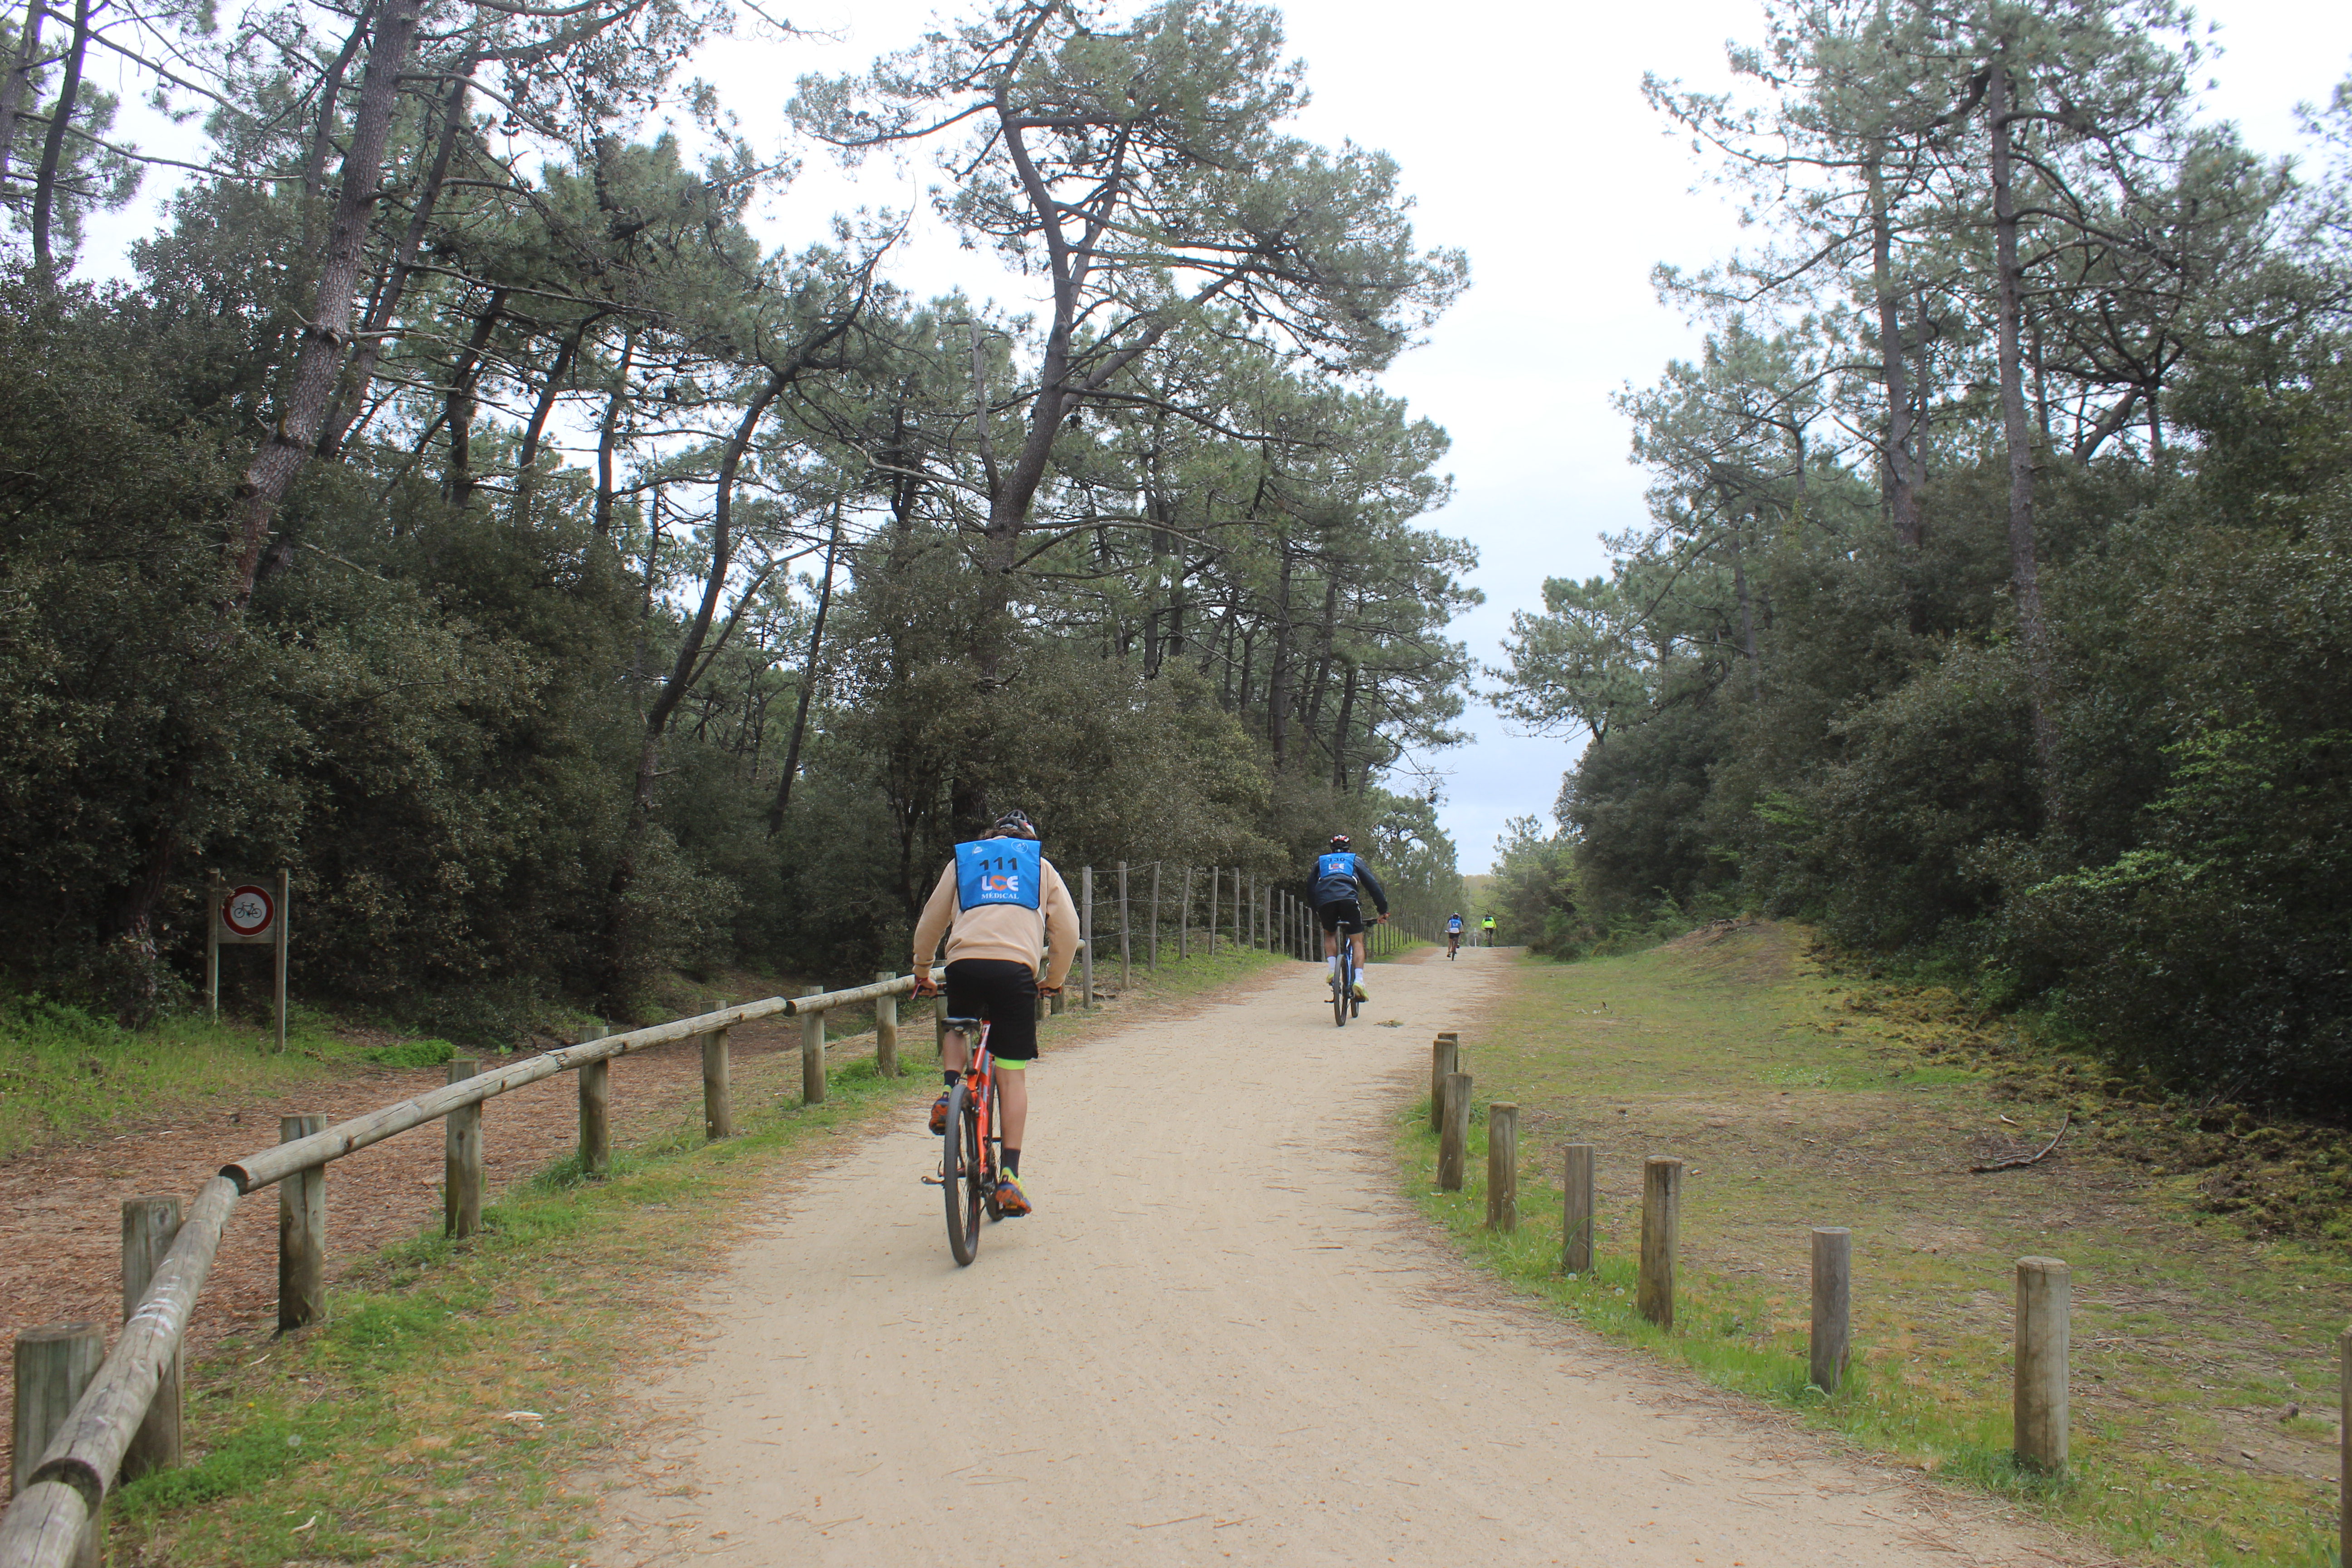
[(1008, 919)]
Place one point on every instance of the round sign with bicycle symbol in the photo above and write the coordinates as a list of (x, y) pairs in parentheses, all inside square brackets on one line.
[(248, 911)]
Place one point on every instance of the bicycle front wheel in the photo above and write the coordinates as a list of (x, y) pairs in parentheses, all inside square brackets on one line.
[(1346, 988), (962, 1167)]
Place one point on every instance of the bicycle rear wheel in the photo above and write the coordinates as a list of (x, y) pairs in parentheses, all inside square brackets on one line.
[(1345, 990), (960, 1168)]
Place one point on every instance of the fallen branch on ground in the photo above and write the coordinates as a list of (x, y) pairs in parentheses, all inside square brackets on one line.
[(2019, 1161)]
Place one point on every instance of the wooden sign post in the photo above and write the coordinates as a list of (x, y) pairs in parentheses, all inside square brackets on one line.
[(247, 914)]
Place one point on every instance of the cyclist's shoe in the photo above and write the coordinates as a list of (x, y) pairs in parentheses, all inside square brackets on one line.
[(1359, 992), (1011, 1200), (940, 1116)]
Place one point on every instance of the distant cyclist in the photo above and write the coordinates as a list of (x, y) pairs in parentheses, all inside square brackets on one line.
[(1341, 878), (1488, 925), (1453, 933), (1004, 911)]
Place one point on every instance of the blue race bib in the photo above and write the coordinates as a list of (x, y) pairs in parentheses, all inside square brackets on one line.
[(1000, 871), (1334, 877)]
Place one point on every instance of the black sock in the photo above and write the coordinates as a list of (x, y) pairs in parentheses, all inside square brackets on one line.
[(1012, 1161), (951, 1079)]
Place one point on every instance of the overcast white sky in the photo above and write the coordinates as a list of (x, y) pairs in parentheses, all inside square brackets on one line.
[(1522, 131)]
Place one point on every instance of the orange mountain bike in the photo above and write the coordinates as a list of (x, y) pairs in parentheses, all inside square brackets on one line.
[(975, 1141)]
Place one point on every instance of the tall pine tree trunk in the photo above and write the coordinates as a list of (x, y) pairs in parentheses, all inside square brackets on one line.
[(318, 363), (44, 183), (1903, 475), (2017, 427)]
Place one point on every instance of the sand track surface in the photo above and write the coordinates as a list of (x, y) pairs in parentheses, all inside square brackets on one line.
[(1224, 1336)]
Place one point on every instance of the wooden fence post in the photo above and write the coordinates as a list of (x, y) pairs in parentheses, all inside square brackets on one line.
[(2045, 1300), (1444, 1056), (940, 1024), (1662, 1208), (1575, 1211), (886, 1028), (1126, 957), (1453, 1142), (461, 1160), (1209, 936), (54, 1366), (595, 1110), (1502, 1166), (1184, 919), (812, 1050), (718, 1086), (1151, 946), (148, 1226), (302, 1233), (1086, 935), (1832, 1304)]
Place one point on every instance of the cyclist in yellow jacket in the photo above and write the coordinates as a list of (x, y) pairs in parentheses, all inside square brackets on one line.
[(1008, 919)]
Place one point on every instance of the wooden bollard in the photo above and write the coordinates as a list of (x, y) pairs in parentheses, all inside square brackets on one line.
[(939, 1027), (149, 1226), (1832, 1304), (1444, 1056), (886, 1028), (813, 1051), (2344, 1444), (302, 1233), (1151, 942), (2045, 1302), (718, 1086), (595, 1110), (1575, 1211), (1454, 1141), (54, 1366), (461, 1160), (1662, 1205), (1502, 1166)]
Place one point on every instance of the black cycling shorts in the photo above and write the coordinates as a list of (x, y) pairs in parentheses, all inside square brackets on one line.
[(1003, 991), (1344, 912)]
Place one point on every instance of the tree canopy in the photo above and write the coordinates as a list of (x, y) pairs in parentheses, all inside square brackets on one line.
[(467, 508)]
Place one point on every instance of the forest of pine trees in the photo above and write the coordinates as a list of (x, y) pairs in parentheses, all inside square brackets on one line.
[(1995, 607)]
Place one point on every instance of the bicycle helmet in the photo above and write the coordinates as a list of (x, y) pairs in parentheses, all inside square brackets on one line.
[(1014, 825), (1339, 841)]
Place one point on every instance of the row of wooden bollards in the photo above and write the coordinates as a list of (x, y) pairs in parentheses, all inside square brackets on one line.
[(2044, 1284)]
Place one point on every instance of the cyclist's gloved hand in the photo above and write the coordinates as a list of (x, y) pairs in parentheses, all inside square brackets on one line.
[(1049, 990), (926, 986)]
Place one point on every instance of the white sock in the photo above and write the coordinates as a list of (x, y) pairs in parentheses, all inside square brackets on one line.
[(1332, 963)]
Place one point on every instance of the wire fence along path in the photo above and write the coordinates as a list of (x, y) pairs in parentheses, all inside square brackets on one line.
[(85, 1418)]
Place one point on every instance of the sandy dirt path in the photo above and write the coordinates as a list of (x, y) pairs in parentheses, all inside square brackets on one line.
[(1222, 1336)]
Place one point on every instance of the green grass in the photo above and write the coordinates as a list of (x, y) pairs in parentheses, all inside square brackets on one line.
[(66, 1074), (2192, 1344), (388, 1433)]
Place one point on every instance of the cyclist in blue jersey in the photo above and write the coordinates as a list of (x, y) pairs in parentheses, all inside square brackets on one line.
[(1452, 935), (1341, 878)]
